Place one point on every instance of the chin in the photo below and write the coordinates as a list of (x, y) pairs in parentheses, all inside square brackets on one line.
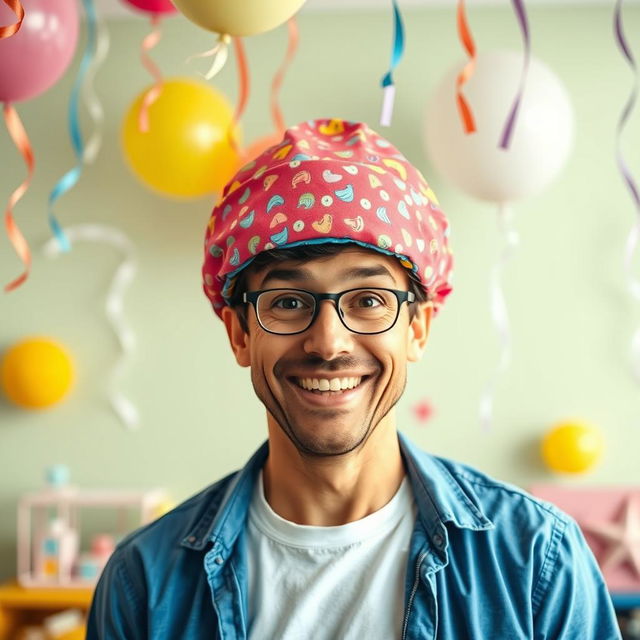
[(326, 445)]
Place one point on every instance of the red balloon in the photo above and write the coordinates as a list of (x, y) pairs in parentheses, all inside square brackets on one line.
[(34, 58), (155, 7)]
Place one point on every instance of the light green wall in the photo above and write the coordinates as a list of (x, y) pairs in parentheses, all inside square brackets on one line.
[(571, 317)]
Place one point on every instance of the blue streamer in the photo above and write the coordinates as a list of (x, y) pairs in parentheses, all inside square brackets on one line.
[(69, 179), (396, 55), (398, 46)]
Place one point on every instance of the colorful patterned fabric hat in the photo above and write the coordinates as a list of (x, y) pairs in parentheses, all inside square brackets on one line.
[(328, 181)]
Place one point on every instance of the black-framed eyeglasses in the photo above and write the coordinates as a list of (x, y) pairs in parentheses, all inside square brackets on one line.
[(367, 310)]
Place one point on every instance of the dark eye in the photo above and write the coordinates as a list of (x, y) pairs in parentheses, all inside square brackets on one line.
[(289, 302), (368, 300)]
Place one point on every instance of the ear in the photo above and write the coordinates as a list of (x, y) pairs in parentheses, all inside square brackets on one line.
[(419, 331), (238, 339)]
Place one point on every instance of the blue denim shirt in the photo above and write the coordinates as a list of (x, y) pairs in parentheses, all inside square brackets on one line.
[(487, 561)]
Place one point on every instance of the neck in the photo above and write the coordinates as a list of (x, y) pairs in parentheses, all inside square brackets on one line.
[(330, 491)]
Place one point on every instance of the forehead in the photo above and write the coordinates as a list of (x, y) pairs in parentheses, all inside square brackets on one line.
[(347, 267)]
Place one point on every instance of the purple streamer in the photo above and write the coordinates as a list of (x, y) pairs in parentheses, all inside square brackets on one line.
[(628, 108), (507, 132), (634, 235)]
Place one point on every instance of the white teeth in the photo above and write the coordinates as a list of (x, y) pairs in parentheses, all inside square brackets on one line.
[(333, 384)]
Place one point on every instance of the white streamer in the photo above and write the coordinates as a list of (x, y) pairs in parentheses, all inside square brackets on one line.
[(93, 104), (220, 54), (499, 313), (125, 273)]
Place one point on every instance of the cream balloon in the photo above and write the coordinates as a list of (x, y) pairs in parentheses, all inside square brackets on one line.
[(238, 17), (541, 141)]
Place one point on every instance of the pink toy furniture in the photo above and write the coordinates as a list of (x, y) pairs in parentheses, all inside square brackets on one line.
[(610, 520), (54, 526)]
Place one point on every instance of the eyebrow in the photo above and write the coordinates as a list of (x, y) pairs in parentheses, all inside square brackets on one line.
[(304, 275)]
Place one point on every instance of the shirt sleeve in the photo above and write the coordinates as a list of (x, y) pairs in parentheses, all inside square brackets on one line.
[(572, 599), (117, 610)]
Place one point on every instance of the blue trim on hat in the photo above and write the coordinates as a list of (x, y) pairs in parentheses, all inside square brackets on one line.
[(227, 289)]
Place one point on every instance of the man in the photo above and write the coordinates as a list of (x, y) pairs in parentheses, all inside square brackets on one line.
[(326, 258)]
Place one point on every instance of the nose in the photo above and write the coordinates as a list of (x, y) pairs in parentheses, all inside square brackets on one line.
[(327, 337)]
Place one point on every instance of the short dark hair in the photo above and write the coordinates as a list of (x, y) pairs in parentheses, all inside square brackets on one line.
[(303, 253)]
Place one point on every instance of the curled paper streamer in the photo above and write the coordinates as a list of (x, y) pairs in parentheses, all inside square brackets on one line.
[(125, 273), (91, 101), (276, 84), (633, 283), (149, 42), (10, 29), (70, 179), (468, 121), (243, 93), (21, 140), (507, 132), (220, 53), (499, 314), (389, 89)]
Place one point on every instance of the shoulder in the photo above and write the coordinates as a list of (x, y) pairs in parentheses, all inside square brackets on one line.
[(532, 537), (501, 501), (175, 528), (472, 499)]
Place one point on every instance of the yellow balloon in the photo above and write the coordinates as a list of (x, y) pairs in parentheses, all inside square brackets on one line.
[(36, 373), (238, 17), (186, 151), (572, 447)]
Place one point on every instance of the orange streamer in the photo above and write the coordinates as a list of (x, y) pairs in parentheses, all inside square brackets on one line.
[(149, 42), (276, 112), (468, 121), (18, 9), (243, 92), (20, 139)]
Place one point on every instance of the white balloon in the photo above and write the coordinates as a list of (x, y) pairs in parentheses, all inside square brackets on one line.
[(541, 140)]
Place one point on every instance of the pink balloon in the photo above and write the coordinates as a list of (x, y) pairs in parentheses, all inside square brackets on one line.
[(34, 58), (155, 7)]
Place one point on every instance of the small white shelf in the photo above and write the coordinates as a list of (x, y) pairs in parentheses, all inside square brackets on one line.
[(68, 504)]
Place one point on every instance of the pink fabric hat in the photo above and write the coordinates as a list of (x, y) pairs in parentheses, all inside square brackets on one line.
[(328, 181)]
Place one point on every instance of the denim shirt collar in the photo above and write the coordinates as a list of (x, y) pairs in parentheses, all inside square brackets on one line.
[(438, 495), (439, 499)]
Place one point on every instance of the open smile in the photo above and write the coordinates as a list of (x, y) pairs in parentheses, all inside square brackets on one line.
[(329, 392)]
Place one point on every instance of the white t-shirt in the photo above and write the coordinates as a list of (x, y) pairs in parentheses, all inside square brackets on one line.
[(328, 583)]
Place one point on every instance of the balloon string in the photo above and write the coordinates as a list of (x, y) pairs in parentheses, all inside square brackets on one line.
[(220, 53), (114, 306), (243, 93), (21, 140), (10, 29), (507, 132), (397, 52), (633, 283), (148, 43), (94, 107), (466, 115), (276, 84), (499, 314)]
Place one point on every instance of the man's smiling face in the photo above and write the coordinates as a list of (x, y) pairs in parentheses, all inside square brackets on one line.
[(366, 374)]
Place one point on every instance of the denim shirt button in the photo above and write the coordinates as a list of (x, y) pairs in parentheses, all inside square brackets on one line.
[(438, 540), (191, 539), (218, 559)]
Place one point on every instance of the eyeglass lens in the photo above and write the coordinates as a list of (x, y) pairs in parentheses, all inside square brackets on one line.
[(361, 310)]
